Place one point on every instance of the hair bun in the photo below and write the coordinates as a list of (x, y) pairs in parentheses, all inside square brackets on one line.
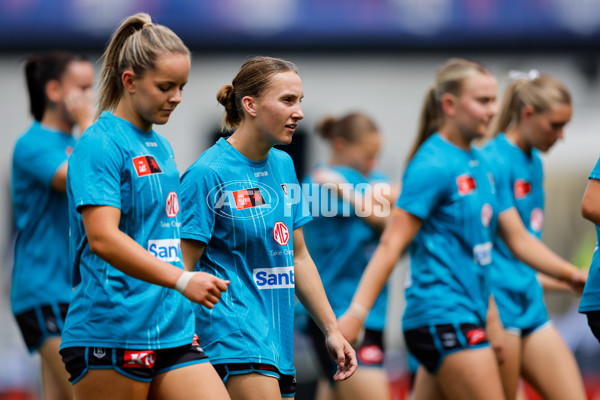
[(326, 126), (225, 95)]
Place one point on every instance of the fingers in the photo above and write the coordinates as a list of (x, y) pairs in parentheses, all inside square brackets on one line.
[(347, 364)]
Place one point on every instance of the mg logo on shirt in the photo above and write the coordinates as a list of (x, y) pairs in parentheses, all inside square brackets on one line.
[(281, 233), (172, 205), (274, 278), (165, 249), (146, 165), (139, 359)]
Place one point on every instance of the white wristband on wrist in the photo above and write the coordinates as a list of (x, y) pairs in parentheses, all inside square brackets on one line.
[(183, 281)]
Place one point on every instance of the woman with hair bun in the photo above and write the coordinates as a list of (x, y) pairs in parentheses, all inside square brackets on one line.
[(351, 201), (531, 119), (61, 97), (129, 333), (243, 213)]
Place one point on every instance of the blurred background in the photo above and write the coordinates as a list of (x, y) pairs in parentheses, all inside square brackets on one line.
[(375, 56)]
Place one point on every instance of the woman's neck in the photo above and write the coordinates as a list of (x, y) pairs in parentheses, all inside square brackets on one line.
[(248, 142), (125, 111), (456, 137), (515, 136), (54, 120)]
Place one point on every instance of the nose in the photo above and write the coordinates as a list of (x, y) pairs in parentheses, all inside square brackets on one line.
[(298, 114), (175, 97)]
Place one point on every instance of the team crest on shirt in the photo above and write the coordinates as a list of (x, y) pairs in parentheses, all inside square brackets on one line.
[(146, 165), (486, 214), (248, 198), (284, 188), (521, 188), (466, 184)]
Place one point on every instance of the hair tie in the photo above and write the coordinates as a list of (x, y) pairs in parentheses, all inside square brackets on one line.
[(515, 75), (147, 25)]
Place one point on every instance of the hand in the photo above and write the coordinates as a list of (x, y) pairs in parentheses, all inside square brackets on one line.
[(205, 289), (343, 354), (577, 281), (351, 327), (80, 105), (495, 335)]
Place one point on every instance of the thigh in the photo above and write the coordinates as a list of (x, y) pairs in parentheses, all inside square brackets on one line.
[(550, 367), (367, 383), (197, 381), (510, 367), (109, 384), (425, 387), (470, 374), (253, 386), (55, 376)]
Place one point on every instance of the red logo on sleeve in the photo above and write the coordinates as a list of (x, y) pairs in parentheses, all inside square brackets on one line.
[(248, 198), (522, 188), (139, 359), (466, 184), (281, 233), (475, 336), (146, 165)]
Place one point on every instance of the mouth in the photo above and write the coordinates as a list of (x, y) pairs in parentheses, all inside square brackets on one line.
[(291, 127)]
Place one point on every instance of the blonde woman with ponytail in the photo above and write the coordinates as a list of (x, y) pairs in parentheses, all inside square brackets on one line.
[(129, 332), (450, 211), (243, 213), (534, 112)]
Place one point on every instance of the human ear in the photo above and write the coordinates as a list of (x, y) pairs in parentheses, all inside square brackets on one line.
[(448, 104), (128, 80), (53, 91), (526, 113), (249, 105)]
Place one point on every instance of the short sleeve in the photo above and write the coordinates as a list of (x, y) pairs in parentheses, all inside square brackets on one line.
[(595, 174), (503, 188), (300, 209), (200, 198), (94, 174), (39, 160), (424, 185)]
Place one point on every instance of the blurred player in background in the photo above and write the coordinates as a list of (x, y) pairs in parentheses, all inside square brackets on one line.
[(243, 217), (61, 97), (533, 114), (450, 211), (342, 244), (128, 334)]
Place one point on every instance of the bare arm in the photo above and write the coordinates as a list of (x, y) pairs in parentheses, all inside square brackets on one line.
[(590, 205), (534, 253), (311, 294), (399, 232), (122, 252), (59, 180)]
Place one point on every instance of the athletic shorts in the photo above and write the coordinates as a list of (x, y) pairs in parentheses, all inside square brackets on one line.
[(370, 353), (594, 322), (141, 365), (40, 323), (287, 383), (431, 344)]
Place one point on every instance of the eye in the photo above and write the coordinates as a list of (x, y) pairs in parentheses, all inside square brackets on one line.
[(164, 88)]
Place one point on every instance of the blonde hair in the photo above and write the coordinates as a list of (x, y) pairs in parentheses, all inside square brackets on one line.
[(252, 79), (540, 93), (136, 45), (449, 79)]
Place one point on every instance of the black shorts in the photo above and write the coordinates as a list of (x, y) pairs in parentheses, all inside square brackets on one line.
[(287, 383), (370, 353), (141, 365), (38, 324), (431, 344), (593, 318)]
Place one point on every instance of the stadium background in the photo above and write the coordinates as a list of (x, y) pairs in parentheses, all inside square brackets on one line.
[(376, 56)]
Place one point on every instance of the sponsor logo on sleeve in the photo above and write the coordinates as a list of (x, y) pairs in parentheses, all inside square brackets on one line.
[(281, 233), (466, 184), (247, 198), (139, 359), (475, 336), (172, 207), (146, 165), (521, 188), (165, 249), (68, 150), (274, 278)]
